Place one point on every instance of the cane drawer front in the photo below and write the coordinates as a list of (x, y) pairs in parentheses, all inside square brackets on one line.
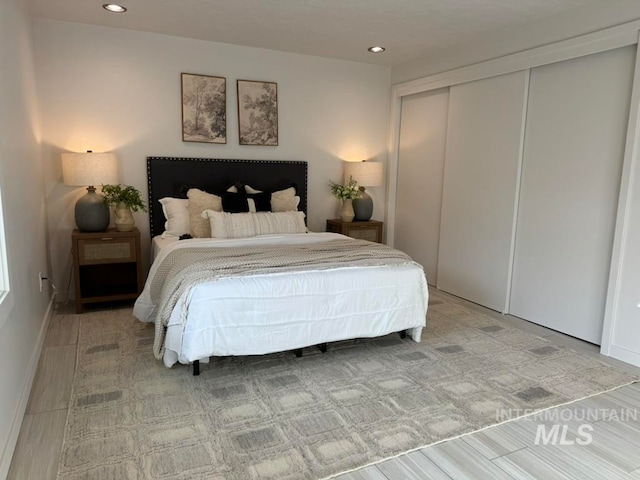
[(370, 230), (95, 251), (362, 232)]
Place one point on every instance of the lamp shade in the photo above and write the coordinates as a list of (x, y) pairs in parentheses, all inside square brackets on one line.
[(367, 174), (83, 169), (86, 170)]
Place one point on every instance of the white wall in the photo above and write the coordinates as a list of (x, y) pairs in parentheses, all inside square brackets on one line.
[(21, 184), (579, 21), (116, 90)]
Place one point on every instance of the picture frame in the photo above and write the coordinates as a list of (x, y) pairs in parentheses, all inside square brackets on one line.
[(257, 113), (204, 108)]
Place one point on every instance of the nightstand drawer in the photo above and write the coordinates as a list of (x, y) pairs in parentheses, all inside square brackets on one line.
[(363, 233), (370, 230), (94, 251)]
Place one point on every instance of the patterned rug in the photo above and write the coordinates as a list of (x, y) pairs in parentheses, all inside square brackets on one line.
[(282, 417)]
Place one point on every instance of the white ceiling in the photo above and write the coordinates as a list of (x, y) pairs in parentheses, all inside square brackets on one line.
[(329, 28)]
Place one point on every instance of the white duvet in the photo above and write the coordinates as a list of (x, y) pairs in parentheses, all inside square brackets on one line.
[(266, 313)]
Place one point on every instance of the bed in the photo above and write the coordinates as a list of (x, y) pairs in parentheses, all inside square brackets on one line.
[(350, 289)]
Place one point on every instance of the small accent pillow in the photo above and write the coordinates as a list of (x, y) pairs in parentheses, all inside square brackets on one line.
[(242, 225), (259, 202), (176, 214), (234, 202), (281, 201), (200, 201)]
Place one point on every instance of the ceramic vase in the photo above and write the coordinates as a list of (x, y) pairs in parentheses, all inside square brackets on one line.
[(124, 218), (347, 213)]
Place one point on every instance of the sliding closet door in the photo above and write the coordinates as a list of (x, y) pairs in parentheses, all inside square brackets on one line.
[(423, 133), (574, 145), (484, 137)]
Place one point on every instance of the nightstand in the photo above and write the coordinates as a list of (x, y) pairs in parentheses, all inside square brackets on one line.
[(370, 230), (106, 266)]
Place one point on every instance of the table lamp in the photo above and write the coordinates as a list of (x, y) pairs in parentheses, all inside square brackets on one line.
[(367, 174), (86, 170)]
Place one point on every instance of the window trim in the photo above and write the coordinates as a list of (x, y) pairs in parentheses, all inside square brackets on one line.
[(7, 301)]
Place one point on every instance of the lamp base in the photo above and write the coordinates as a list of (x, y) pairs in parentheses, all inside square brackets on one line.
[(363, 207), (92, 214)]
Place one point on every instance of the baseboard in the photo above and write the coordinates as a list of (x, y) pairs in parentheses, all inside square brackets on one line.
[(621, 353), (16, 424)]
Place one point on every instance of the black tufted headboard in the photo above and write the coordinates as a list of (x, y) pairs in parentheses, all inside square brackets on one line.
[(171, 176)]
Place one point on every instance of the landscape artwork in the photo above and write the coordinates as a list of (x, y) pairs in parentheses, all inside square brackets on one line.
[(204, 108), (258, 112)]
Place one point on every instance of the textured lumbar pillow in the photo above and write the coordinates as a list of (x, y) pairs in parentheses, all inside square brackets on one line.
[(200, 201), (241, 225)]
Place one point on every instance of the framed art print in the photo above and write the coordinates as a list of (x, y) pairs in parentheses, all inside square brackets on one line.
[(258, 112), (204, 108)]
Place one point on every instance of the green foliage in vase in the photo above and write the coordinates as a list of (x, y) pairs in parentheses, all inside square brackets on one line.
[(345, 192), (128, 195)]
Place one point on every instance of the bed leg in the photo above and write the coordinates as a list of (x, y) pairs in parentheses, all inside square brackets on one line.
[(403, 334), (323, 347), (196, 368), (298, 352)]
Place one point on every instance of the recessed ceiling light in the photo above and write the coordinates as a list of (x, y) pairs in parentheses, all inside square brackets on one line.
[(112, 7), (376, 49)]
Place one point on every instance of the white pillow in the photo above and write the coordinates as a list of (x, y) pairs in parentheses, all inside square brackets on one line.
[(176, 214), (241, 225), (281, 201)]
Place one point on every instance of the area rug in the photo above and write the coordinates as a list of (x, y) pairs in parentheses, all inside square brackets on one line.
[(282, 417)]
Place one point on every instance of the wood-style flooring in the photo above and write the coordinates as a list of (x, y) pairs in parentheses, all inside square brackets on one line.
[(507, 451)]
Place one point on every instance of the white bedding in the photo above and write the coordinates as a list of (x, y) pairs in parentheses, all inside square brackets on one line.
[(158, 243), (259, 314)]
